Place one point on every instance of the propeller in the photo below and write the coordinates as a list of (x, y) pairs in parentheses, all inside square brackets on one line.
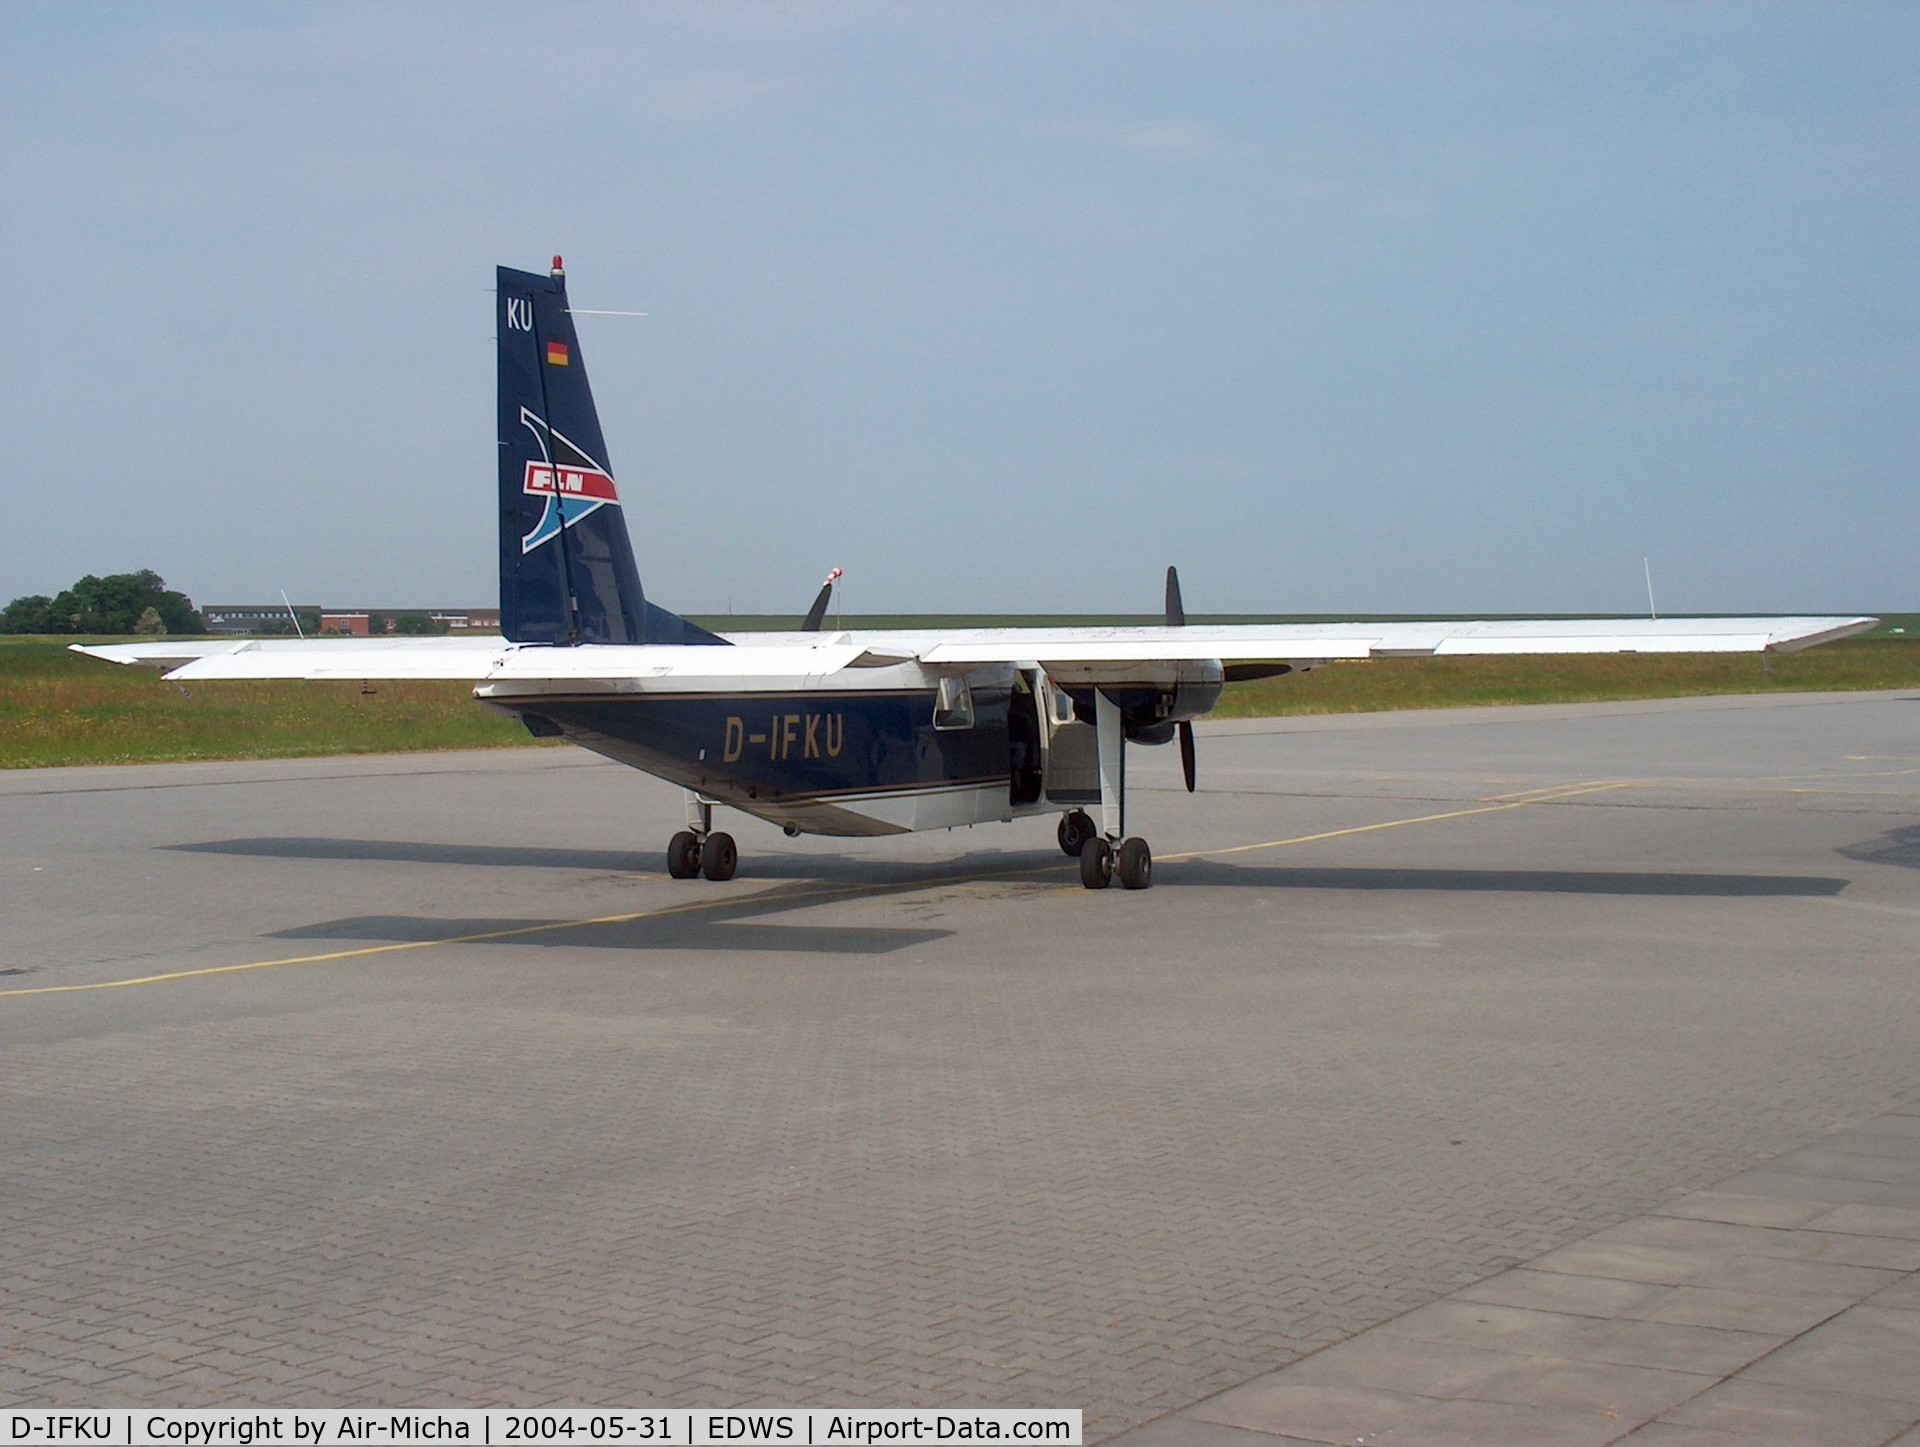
[(817, 614), (1177, 618)]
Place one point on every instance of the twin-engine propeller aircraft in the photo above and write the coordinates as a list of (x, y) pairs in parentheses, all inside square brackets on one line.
[(831, 731)]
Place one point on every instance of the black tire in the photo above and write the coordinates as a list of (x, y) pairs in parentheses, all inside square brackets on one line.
[(1074, 832), (1096, 864), (683, 855), (1135, 867), (719, 858)]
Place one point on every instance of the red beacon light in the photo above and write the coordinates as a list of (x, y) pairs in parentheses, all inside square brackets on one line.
[(558, 268)]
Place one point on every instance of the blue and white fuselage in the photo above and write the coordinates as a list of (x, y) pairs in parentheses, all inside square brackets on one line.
[(848, 751), (842, 733)]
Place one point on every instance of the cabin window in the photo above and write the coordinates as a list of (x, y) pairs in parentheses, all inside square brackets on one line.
[(953, 705)]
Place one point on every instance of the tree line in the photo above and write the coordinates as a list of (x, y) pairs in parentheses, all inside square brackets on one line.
[(142, 603), (118, 603)]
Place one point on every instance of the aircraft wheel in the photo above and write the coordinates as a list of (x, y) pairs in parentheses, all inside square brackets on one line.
[(683, 855), (1096, 864), (1136, 864), (720, 857), (1075, 830)]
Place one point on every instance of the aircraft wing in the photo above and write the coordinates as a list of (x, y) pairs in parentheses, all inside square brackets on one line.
[(1071, 655), (152, 652), (356, 658), (473, 659), (1099, 655)]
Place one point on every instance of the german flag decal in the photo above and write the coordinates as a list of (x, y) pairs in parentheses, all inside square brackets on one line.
[(556, 353)]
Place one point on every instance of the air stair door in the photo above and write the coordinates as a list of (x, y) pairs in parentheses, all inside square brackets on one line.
[(1026, 739), (1073, 749)]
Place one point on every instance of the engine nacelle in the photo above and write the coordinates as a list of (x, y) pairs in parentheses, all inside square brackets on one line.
[(1195, 698), (1151, 714)]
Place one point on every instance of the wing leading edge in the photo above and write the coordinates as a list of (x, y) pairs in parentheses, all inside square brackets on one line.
[(1118, 655), (476, 659), (313, 658), (1099, 655)]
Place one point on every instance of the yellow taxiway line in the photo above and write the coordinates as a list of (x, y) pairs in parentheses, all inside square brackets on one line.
[(1502, 804), (1534, 796), (484, 937)]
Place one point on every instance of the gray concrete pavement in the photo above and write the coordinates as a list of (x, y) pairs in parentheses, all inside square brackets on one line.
[(1415, 1000), (1782, 1307)]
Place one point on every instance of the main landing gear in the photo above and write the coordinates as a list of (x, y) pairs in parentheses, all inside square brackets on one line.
[(1100, 862), (697, 849), (716, 856), (1103, 849)]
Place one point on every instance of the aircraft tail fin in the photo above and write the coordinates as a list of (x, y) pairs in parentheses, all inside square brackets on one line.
[(567, 573)]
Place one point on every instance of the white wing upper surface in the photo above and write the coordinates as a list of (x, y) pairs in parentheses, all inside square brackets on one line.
[(474, 659), (1291, 642), (1096, 655), (1115, 655), (314, 658)]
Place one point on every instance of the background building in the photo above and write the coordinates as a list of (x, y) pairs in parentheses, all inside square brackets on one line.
[(242, 619)]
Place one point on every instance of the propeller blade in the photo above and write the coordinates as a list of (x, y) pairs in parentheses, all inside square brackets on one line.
[(1177, 618), (817, 614)]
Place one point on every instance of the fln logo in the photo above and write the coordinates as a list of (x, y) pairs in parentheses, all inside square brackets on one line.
[(571, 492)]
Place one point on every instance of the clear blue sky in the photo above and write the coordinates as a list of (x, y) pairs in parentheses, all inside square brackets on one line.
[(1343, 308)]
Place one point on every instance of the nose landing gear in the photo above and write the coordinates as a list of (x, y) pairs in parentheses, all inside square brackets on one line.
[(1074, 832)]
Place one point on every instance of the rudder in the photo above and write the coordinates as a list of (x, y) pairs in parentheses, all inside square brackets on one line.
[(567, 573)]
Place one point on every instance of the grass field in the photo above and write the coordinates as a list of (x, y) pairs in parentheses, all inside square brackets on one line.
[(1394, 683), (57, 707)]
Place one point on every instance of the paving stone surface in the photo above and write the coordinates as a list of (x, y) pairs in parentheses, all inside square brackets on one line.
[(922, 1122), (1830, 1359)]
